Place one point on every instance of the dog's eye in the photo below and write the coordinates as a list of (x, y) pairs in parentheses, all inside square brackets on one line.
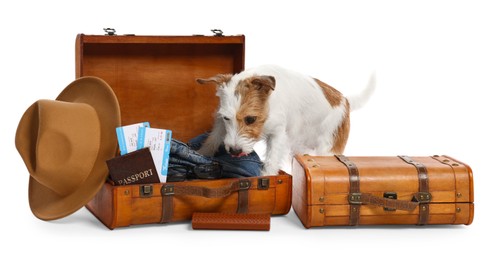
[(250, 120), (226, 118)]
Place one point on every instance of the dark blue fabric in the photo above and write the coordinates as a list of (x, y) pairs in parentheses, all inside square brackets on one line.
[(185, 155)]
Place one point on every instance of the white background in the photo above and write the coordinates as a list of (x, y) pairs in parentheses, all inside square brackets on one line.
[(438, 67)]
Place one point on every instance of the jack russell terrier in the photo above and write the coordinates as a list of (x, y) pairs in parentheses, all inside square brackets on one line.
[(292, 112)]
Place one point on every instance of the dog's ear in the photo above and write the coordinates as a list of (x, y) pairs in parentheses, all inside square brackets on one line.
[(264, 83), (218, 79)]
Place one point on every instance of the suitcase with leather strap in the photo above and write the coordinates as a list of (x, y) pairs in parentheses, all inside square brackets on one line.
[(350, 191), (154, 79)]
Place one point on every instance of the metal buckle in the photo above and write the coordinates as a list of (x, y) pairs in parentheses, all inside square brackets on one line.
[(422, 197), (146, 191), (355, 198)]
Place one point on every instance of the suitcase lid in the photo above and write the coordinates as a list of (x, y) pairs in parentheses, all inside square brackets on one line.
[(327, 179), (154, 77)]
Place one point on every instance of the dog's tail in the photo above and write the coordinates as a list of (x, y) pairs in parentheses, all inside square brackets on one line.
[(358, 101)]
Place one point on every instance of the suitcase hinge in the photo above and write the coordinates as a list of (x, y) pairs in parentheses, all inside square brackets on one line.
[(146, 191)]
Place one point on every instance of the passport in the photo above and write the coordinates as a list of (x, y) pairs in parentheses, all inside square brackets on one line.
[(133, 168)]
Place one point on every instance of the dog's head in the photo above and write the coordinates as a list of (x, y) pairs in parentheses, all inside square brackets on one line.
[(243, 109)]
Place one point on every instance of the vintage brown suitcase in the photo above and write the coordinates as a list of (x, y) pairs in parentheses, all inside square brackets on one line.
[(154, 79), (342, 191)]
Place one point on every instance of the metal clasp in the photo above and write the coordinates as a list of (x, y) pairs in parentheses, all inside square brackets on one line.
[(146, 191), (263, 184), (355, 198), (422, 197)]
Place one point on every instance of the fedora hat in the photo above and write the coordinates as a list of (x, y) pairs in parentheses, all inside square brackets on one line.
[(65, 144)]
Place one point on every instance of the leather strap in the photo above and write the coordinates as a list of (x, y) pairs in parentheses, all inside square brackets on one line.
[(243, 201), (354, 188), (243, 196), (169, 190), (424, 207)]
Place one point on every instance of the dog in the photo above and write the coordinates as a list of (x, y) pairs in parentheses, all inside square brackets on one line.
[(292, 112)]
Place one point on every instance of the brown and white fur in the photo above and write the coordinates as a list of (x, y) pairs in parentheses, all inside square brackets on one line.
[(294, 113)]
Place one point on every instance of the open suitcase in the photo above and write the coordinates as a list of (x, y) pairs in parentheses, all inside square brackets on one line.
[(349, 191), (154, 79)]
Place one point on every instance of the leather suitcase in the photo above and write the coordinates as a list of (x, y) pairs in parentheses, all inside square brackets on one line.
[(154, 79), (349, 191)]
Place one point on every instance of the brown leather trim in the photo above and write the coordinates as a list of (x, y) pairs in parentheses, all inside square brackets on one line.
[(424, 208), (354, 188), (243, 201), (167, 203)]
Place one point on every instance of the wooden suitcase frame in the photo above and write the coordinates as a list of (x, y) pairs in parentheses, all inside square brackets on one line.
[(388, 190), (154, 79)]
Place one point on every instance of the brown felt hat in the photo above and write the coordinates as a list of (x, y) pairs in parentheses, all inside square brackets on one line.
[(65, 144)]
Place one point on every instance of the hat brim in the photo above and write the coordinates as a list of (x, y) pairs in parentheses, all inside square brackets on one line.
[(45, 203)]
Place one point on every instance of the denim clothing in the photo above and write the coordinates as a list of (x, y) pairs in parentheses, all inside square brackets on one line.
[(184, 157)]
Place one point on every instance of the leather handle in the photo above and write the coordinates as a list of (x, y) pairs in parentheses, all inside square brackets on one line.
[(366, 198), (220, 192), (169, 190)]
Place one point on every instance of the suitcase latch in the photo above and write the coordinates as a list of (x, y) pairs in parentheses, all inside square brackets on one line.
[(390, 195), (263, 184), (146, 191), (355, 198)]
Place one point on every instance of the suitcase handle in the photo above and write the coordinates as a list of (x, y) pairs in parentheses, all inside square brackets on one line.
[(220, 192), (367, 198), (169, 190)]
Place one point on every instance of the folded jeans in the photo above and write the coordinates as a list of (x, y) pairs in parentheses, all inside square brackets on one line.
[(184, 159)]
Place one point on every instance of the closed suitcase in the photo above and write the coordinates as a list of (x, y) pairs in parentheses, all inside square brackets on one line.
[(348, 191), (154, 79)]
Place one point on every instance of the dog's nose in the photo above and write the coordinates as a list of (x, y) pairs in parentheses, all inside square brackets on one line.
[(235, 151)]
